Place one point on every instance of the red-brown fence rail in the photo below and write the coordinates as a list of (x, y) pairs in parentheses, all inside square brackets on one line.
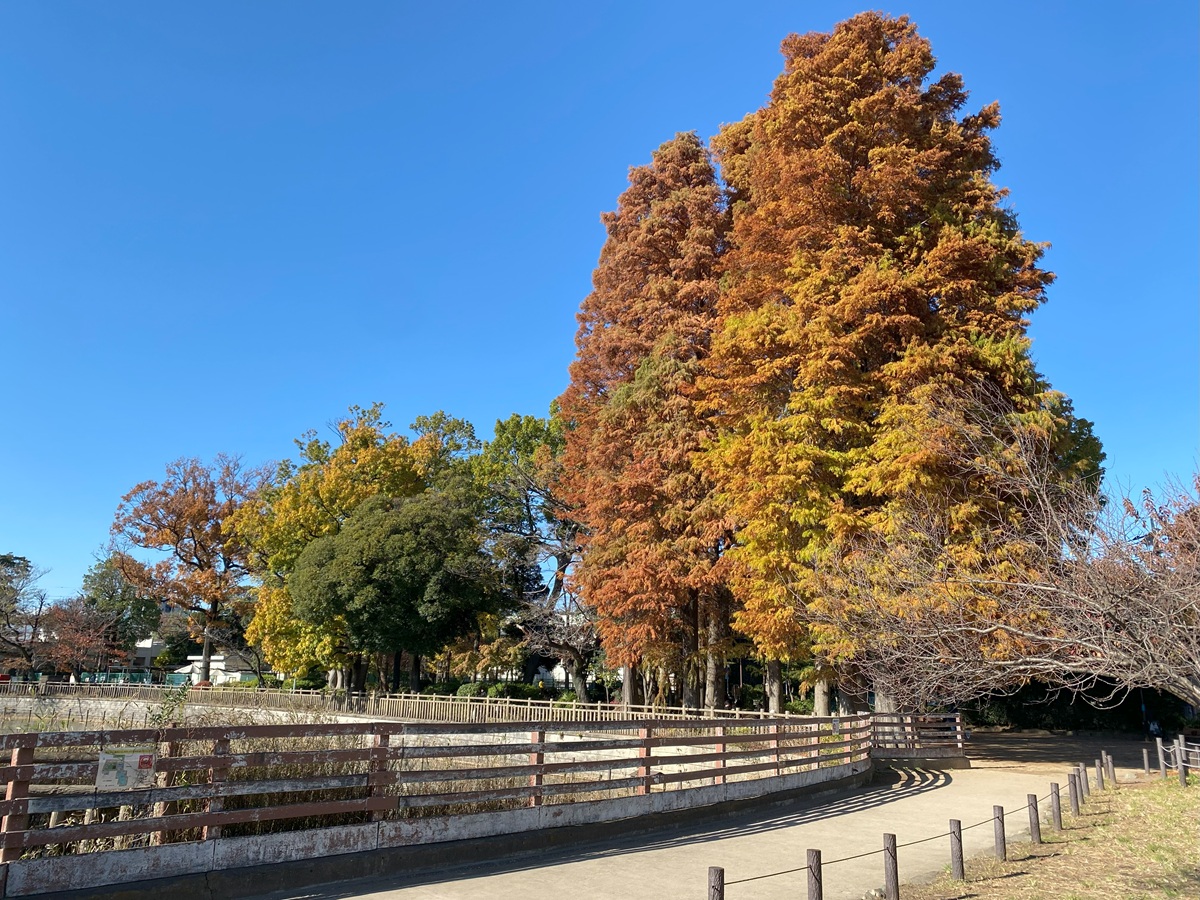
[(210, 782)]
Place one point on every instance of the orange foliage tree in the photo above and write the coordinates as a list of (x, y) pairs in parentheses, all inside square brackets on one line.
[(873, 267), (651, 542), (185, 518)]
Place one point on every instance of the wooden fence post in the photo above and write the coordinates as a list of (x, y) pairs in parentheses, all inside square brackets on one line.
[(18, 789), (165, 780), (1073, 788), (375, 768), (537, 757), (1035, 819), (643, 773), (720, 763), (1084, 782), (998, 832), (775, 745), (716, 883), (1099, 775), (1146, 760), (1055, 807), (1162, 758), (891, 869), (957, 870), (1181, 760), (1110, 768), (816, 884), (216, 777)]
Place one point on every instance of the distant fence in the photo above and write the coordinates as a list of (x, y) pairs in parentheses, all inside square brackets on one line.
[(174, 801), (892, 731)]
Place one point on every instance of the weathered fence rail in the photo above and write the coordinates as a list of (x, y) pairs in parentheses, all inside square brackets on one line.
[(389, 783), (890, 731)]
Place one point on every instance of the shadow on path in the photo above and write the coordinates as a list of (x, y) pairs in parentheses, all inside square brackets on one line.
[(888, 786)]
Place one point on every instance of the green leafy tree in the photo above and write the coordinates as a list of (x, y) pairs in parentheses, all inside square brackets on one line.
[(132, 614), (407, 574)]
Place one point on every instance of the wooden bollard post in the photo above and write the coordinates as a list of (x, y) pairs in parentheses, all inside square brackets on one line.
[(1084, 782), (1073, 789), (1162, 758), (716, 883), (998, 833), (1146, 760), (816, 883), (1181, 760), (1035, 819), (1110, 769), (957, 871), (891, 869), (1099, 775), (1055, 807)]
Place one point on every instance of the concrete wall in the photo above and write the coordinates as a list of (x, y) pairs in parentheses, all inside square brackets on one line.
[(241, 866)]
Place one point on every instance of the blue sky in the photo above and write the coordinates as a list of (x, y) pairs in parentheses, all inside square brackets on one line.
[(223, 223)]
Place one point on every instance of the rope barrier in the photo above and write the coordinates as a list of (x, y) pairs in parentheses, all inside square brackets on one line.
[(771, 875), (834, 862)]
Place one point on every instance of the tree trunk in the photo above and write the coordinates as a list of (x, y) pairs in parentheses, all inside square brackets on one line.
[(714, 681), (359, 675), (396, 672), (851, 695), (414, 674), (885, 702), (206, 655), (579, 682), (821, 698), (774, 685), (630, 686), (690, 694)]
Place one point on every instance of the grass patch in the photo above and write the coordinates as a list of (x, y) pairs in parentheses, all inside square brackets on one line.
[(1136, 843)]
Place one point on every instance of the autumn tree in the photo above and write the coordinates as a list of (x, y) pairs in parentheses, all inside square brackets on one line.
[(80, 637), (407, 574), (651, 541), (311, 499), (185, 519), (872, 265), (1096, 595)]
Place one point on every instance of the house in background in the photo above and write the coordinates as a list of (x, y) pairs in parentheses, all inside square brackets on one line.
[(224, 668)]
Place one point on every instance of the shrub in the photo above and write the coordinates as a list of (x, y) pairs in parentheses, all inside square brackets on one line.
[(442, 689), (515, 690), (799, 707), (471, 689)]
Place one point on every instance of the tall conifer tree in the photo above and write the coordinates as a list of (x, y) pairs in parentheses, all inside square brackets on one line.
[(873, 268), (651, 542)]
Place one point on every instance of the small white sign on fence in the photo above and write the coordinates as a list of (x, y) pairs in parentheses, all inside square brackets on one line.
[(121, 771)]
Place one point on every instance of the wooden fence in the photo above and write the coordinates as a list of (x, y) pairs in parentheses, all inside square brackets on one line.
[(205, 782), (917, 734), (891, 731), (420, 707)]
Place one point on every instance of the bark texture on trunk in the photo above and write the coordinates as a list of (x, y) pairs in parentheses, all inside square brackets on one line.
[(414, 674), (821, 691), (714, 681), (774, 685)]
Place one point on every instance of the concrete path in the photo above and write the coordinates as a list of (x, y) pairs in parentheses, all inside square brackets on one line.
[(912, 804)]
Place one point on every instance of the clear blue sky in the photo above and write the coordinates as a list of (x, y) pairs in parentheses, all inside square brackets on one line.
[(223, 223)]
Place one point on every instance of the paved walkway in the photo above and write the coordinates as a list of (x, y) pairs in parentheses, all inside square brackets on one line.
[(912, 804)]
